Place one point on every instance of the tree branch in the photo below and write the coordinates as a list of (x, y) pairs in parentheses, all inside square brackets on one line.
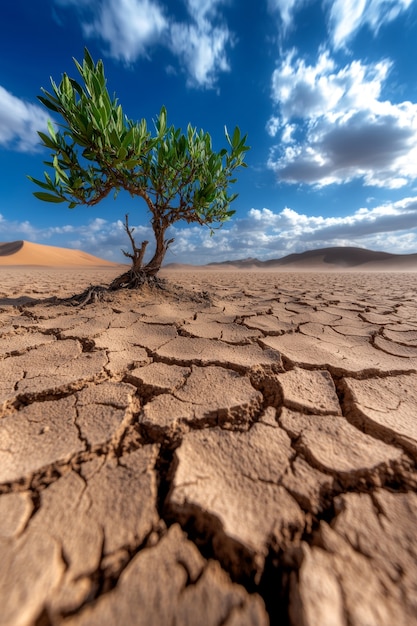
[(138, 253)]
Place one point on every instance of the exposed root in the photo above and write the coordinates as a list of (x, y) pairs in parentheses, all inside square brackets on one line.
[(94, 293), (133, 279), (128, 280)]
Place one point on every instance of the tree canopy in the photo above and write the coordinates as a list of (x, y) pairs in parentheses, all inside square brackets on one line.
[(97, 149)]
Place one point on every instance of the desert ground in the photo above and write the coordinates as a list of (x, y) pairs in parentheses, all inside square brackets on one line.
[(236, 449)]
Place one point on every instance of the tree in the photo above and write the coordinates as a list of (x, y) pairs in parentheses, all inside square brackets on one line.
[(98, 149)]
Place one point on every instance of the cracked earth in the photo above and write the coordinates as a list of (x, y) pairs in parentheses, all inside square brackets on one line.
[(239, 450)]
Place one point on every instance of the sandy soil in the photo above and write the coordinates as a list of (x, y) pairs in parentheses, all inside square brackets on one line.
[(239, 449)]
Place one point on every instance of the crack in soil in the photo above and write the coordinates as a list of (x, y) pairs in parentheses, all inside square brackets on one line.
[(279, 574)]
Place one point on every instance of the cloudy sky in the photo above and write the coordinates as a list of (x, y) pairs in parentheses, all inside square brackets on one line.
[(325, 89)]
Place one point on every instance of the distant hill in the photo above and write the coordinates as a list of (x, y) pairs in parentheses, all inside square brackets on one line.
[(329, 258)]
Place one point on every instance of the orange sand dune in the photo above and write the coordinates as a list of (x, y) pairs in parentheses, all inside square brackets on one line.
[(27, 253)]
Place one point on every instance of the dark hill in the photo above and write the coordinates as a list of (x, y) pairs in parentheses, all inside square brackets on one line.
[(343, 257)]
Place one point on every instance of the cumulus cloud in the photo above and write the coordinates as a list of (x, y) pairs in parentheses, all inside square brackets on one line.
[(12, 230), (262, 233), (298, 227), (129, 29), (19, 121), (335, 126)]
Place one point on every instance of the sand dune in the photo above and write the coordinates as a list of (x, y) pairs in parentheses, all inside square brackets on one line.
[(28, 253), (327, 259), (349, 257)]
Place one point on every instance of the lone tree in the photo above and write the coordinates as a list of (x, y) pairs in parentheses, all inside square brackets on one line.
[(98, 149)]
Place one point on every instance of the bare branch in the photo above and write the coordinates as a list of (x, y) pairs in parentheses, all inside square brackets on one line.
[(138, 253)]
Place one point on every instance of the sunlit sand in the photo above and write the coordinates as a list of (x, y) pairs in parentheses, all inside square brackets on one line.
[(25, 253)]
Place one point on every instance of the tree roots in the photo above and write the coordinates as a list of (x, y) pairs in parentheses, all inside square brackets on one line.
[(128, 280)]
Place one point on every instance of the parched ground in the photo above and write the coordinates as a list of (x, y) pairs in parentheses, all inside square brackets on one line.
[(239, 450)]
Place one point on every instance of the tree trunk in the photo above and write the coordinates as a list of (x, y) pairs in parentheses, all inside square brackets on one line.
[(162, 244), (140, 274)]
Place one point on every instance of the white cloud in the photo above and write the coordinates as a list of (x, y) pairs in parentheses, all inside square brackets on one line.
[(346, 18), (315, 230), (202, 9), (202, 49), (11, 230), (345, 129), (19, 121), (286, 9), (201, 44), (303, 91), (273, 125), (129, 28)]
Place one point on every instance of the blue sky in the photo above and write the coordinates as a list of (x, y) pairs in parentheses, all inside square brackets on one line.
[(326, 91)]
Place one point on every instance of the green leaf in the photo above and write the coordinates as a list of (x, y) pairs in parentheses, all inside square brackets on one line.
[(96, 85), (114, 138), (122, 154), (227, 135), (47, 140), (49, 105), (236, 137), (51, 130), (88, 59), (130, 164), (76, 86), (40, 183), (88, 154), (77, 183), (161, 123), (128, 138), (119, 113), (47, 197)]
